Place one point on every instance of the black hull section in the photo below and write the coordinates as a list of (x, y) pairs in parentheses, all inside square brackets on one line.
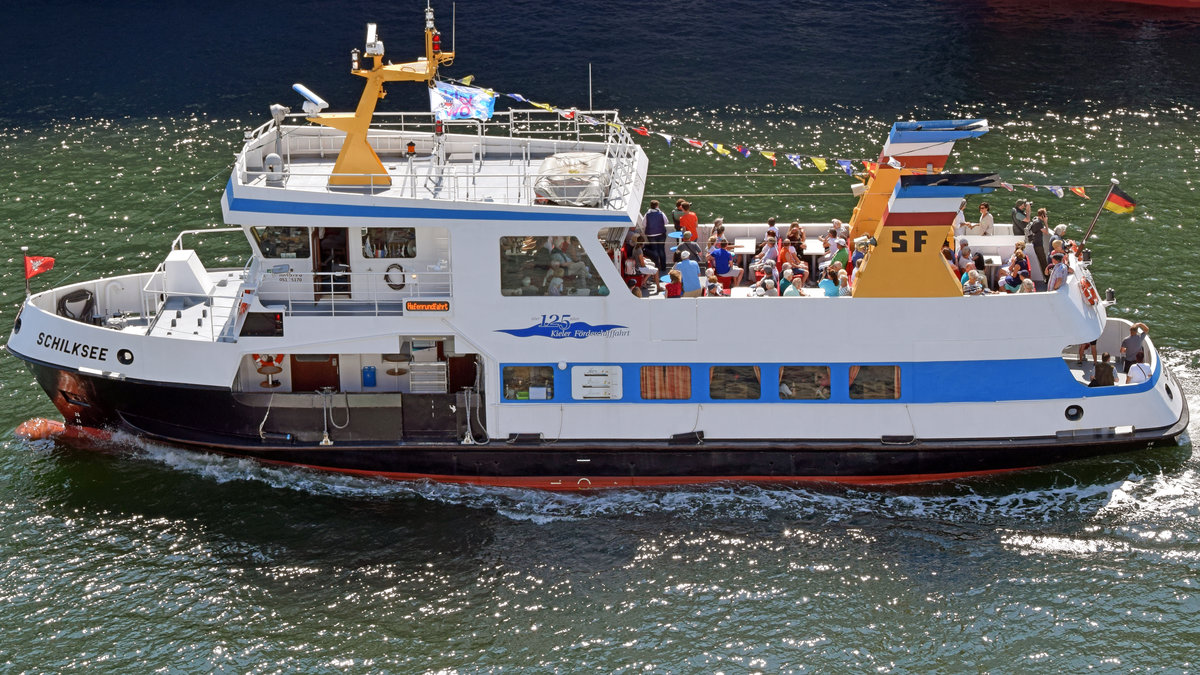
[(215, 420)]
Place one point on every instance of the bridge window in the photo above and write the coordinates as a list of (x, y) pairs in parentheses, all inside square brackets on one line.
[(282, 242), (734, 382), (874, 382), (547, 266), (804, 382), (666, 383), (389, 242)]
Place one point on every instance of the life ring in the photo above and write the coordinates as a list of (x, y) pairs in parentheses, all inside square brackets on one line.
[(387, 277), (265, 359), (1089, 292)]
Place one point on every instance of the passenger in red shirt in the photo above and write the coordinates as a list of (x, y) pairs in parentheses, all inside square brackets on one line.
[(689, 222)]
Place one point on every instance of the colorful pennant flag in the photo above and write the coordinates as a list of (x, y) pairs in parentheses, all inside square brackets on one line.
[(820, 163), (666, 137), (894, 163), (695, 143), (641, 130), (518, 97), (1027, 185), (1057, 191), (1117, 202), (721, 149), (768, 155), (36, 264), (543, 106), (743, 149), (798, 160), (846, 166), (1080, 191), (1006, 186)]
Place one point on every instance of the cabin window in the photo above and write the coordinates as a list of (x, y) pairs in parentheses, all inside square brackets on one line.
[(547, 266), (734, 382), (874, 382), (804, 382), (282, 242), (528, 383), (666, 383), (389, 242)]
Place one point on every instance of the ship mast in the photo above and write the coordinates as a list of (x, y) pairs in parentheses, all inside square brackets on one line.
[(357, 164)]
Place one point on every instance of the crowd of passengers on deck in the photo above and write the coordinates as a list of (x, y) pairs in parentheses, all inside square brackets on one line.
[(651, 265)]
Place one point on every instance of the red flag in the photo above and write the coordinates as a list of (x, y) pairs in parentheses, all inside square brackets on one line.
[(694, 143), (641, 130), (1081, 192), (36, 264)]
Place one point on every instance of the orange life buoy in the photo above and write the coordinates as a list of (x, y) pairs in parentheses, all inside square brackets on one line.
[(1089, 292)]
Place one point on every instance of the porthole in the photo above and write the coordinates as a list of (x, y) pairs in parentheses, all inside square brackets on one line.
[(1170, 394), (1074, 412), (125, 356)]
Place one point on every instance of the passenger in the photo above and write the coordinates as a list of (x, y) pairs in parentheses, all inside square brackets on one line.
[(1037, 237), (785, 280), (555, 287), (715, 290), (691, 275), (844, 284), (973, 286), (1103, 375), (772, 231), (677, 213), (948, 254), (963, 254), (767, 259), (656, 235), (634, 287), (722, 262), (1011, 283), (1139, 371), (1083, 347), (689, 245), (986, 222), (793, 289), (1027, 286), (829, 283), (800, 274), (764, 287), (675, 285), (688, 222), (789, 254), (796, 234), (1059, 231), (1020, 217), (718, 229), (843, 230), (967, 269), (860, 252), (1058, 273), (1135, 345), (960, 220)]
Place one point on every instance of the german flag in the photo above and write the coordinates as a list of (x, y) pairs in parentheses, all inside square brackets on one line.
[(1119, 202)]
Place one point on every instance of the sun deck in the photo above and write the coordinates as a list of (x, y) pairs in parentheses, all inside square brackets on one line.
[(500, 161)]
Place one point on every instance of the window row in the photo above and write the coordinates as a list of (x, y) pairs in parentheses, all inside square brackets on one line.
[(725, 382)]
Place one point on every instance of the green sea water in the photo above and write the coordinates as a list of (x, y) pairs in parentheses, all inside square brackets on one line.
[(156, 559)]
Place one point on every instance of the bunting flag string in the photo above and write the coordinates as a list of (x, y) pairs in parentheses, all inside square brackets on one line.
[(733, 150)]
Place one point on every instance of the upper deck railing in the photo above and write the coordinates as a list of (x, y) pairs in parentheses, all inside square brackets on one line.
[(515, 138)]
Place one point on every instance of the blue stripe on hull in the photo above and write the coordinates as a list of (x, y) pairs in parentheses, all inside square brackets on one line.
[(920, 382)]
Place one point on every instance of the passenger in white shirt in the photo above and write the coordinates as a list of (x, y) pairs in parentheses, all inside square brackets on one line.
[(1138, 372)]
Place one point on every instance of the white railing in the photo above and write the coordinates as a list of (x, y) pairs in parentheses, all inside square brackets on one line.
[(540, 132), (349, 293)]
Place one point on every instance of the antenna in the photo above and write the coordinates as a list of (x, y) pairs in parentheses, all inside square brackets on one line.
[(590, 106), (454, 27)]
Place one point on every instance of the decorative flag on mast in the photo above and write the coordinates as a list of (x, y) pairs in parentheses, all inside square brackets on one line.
[(1056, 190), (1119, 202), (768, 155), (695, 143), (1081, 192), (798, 160), (721, 149), (453, 102), (846, 166), (743, 149), (36, 264), (819, 162)]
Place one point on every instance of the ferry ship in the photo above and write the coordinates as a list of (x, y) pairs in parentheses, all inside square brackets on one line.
[(444, 300)]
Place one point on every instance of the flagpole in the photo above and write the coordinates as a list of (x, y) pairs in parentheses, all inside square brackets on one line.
[(1098, 211), (25, 268)]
